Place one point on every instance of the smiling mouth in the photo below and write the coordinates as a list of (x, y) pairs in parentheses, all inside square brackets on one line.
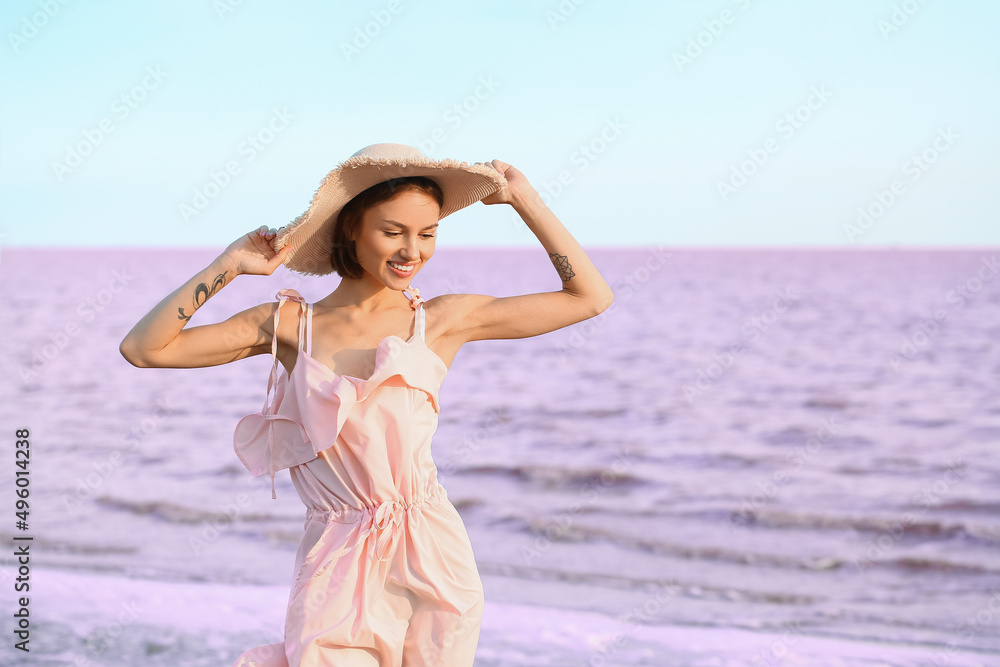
[(402, 269)]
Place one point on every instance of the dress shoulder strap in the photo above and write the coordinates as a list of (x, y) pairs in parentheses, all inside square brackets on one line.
[(282, 296), (417, 304), (420, 319), (309, 329), (304, 310), (272, 381)]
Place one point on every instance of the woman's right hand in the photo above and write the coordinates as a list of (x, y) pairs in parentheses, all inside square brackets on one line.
[(253, 253)]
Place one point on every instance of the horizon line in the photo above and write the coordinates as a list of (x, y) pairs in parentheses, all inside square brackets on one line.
[(493, 248)]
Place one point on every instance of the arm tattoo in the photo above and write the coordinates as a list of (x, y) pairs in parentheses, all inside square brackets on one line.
[(562, 265), (201, 294)]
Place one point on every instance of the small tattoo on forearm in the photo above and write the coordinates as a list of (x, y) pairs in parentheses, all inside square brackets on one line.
[(201, 294), (562, 266)]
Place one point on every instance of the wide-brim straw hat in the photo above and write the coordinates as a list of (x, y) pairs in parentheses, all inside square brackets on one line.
[(311, 234)]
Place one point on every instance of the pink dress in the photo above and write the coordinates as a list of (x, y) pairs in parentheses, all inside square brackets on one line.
[(385, 574)]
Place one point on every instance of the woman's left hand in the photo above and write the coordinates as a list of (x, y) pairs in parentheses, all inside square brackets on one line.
[(517, 183)]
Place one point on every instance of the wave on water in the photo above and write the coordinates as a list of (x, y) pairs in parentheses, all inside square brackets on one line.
[(641, 584), (912, 526), (560, 478), (174, 513), (652, 545), (655, 545)]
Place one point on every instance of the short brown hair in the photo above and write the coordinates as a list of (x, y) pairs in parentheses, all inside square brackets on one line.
[(343, 257)]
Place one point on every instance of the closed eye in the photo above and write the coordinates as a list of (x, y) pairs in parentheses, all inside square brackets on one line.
[(394, 234)]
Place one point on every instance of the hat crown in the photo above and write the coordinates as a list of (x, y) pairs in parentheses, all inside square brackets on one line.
[(391, 151)]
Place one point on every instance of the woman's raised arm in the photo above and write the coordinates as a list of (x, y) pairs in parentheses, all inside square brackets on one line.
[(584, 292), (159, 339)]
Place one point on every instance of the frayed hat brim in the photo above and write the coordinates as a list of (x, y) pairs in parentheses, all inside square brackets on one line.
[(311, 234)]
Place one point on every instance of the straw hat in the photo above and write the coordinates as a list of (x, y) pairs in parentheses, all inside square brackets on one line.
[(311, 234)]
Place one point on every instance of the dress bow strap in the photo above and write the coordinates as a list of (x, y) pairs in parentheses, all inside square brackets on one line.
[(415, 298), (272, 382), (268, 411)]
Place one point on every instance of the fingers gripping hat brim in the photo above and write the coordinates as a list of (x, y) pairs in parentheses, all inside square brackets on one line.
[(311, 234)]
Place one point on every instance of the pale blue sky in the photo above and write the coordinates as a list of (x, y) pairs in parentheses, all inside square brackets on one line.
[(674, 131)]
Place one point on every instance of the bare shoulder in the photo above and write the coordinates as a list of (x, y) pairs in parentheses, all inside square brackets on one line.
[(445, 334), (448, 309), (261, 318), (450, 312)]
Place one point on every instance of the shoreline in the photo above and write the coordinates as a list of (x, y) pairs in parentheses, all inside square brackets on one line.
[(96, 605)]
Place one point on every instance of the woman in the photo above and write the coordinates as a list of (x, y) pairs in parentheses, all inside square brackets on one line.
[(385, 573)]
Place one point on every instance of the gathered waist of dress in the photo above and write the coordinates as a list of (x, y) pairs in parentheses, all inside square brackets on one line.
[(352, 514)]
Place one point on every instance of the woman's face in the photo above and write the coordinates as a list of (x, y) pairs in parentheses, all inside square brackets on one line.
[(399, 231)]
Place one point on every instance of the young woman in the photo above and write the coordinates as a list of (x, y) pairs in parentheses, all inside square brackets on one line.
[(385, 573)]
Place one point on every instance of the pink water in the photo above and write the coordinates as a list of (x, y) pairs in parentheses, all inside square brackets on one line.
[(672, 482)]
